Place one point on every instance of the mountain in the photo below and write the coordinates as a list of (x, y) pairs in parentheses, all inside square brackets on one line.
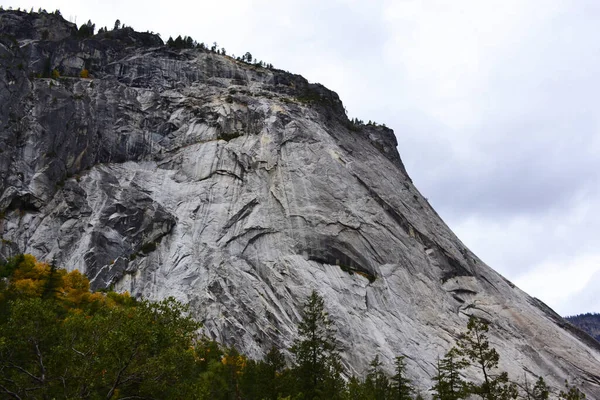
[(589, 323), (238, 189)]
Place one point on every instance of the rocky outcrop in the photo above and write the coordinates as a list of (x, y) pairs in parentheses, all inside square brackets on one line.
[(20, 25), (239, 189)]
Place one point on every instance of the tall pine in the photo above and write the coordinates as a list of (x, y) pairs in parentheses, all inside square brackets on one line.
[(448, 383), (475, 349), (402, 386), (540, 390), (377, 384), (317, 361)]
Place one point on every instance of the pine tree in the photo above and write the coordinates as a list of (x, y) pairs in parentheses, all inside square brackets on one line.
[(475, 349), (317, 361), (540, 390), (449, 385), (189, 42), (235, 364), (86, 30), (178, 43), (377, 384), (272, 366), (53, 282), (572, 393), (356, 389), (401, 384)]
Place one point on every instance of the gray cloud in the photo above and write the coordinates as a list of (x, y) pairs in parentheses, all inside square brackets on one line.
[(587, 300)]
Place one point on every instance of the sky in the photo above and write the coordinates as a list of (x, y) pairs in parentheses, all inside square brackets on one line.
[(494, 104)]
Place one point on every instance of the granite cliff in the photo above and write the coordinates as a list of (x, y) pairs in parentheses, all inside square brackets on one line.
[(239, 189)]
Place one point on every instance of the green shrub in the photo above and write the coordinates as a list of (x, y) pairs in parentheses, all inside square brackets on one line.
[(148, 247), (228, 136)]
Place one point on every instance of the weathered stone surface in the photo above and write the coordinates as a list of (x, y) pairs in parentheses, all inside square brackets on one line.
[(239, 189), (25, 26)]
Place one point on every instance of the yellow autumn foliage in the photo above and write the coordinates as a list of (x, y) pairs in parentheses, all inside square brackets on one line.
[(107, 342), (33, 278), (28, 287), (237, 362), (30, 278), (74, 289)]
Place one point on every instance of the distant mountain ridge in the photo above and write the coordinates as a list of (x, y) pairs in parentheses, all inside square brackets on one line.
[(589, 322)]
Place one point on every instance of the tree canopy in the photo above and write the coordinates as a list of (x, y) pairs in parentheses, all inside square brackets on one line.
[(59, 340)]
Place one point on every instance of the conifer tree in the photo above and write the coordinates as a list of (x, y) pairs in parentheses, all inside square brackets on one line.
[(475, 349), (53, 282), (572, 393), (178, 43), (540, 390), (270, 370), (449, 385), (377, 384), (401, 384), (86, 30), (189, 42), (356, 389), (234, 365), (317, 361)]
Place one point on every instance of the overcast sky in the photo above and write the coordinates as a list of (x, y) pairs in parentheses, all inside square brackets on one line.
[(494, 103)]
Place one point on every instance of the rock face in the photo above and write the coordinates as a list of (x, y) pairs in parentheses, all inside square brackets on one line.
[(239, 189)]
